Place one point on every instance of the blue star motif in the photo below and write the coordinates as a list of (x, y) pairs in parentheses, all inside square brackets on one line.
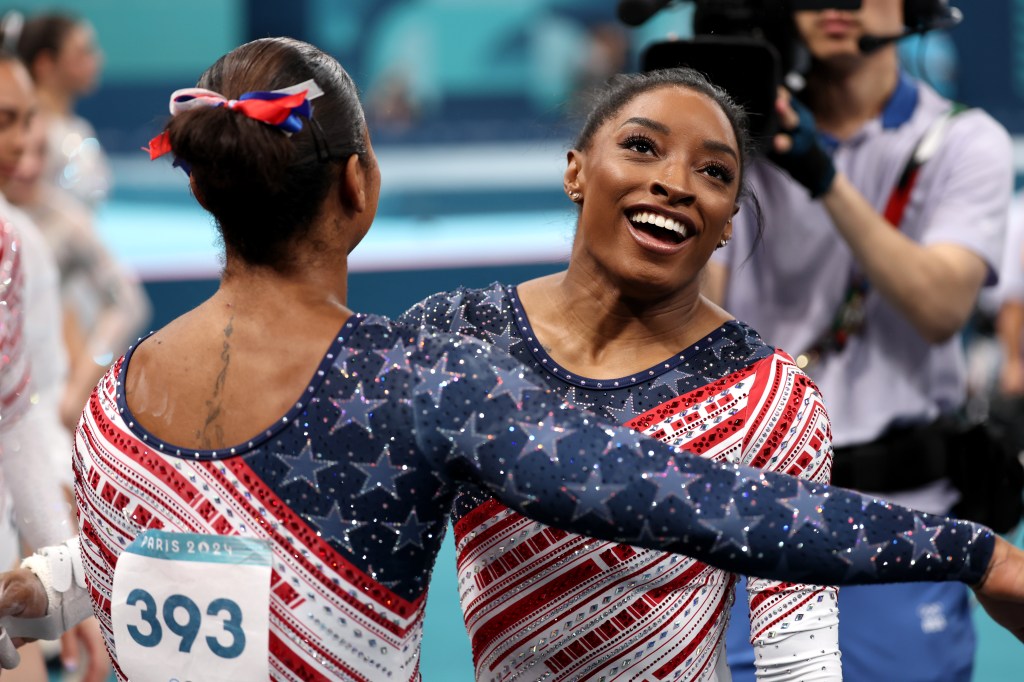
[(623, 414), (861, 557), (720, 344), (671, 482), (731, 529), (376, 321), (510, 494), (808, 509), (668, 379), (334, 528), (922, 538), (494, 298), (543, 436), (513, 383), (341, 359), (648, 538), (467, 440), (592, 496), (410, 532), (381, 475), (356, 409), (456, 309), (504, 340), (433, 380), (396, 358), (304, 466), (573, 398)]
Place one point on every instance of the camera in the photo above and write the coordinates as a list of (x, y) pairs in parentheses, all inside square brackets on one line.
[(746, 47)]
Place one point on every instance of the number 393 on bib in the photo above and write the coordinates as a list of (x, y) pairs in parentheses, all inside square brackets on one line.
[(192, 607)]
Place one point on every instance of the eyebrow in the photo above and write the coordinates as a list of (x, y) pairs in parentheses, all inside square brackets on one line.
[(710, 145), (716, 146), (647, 123)]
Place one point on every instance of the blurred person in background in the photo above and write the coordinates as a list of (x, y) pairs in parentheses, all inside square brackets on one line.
[(1007, 400), (61, 54), (104, 307), (876, 248), (606, 54), (33, 510), (62, 178)]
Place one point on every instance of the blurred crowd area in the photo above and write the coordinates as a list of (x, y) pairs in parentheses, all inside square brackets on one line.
[(460, 71), (471, 73)]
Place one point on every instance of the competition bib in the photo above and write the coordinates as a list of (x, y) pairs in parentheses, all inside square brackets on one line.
[(188, 607)]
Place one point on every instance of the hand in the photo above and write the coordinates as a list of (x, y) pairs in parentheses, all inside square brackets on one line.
[(21, 595), (797, 149), (1001, 591), (86, 635)]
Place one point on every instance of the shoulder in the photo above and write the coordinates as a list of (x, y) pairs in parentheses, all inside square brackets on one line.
[(979, 133), (783, 374), (972, 129), (492, 295), (742, 343), (459, 308), (425, 344)]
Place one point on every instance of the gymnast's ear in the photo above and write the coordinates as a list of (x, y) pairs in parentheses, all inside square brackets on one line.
[(353, 186)]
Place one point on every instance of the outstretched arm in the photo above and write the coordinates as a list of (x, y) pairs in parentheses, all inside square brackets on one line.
[(569, 470)]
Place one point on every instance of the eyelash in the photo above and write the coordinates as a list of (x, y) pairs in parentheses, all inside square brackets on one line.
[(724, 173), (634, 140)]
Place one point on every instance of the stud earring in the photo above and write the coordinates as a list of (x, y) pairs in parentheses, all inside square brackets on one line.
[(575, 196), (722, 243)]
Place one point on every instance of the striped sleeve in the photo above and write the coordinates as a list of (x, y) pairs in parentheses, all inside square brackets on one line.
[(793, 626)]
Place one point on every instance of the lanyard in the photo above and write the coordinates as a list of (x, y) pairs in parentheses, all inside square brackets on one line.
[(848, 319)]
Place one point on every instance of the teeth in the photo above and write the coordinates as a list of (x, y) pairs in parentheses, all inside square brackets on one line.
[(660, 221)]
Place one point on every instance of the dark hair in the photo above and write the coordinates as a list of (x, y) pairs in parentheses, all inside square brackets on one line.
[(622, 89), (44, 33), (264, 187)]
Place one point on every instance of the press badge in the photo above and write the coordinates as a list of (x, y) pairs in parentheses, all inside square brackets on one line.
[(188, 606)]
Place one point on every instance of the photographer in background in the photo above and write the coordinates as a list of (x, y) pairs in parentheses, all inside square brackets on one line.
[(869, 268), (1007, 399)]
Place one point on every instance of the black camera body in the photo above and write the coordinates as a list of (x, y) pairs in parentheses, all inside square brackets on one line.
[(747, 47)]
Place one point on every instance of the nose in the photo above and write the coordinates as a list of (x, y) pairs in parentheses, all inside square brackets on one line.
[(672, 182)]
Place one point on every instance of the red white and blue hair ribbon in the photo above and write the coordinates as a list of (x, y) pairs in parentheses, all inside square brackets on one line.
[(284, 108)]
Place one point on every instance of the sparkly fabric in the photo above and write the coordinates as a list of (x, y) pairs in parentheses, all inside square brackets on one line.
[(564, 607), (353, 485), (13, 359)]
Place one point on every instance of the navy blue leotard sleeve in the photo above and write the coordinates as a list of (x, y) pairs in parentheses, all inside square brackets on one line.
[(481, 417)]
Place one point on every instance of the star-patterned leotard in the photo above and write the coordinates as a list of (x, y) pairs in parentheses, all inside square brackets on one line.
[(352, 489), (565, 607)]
